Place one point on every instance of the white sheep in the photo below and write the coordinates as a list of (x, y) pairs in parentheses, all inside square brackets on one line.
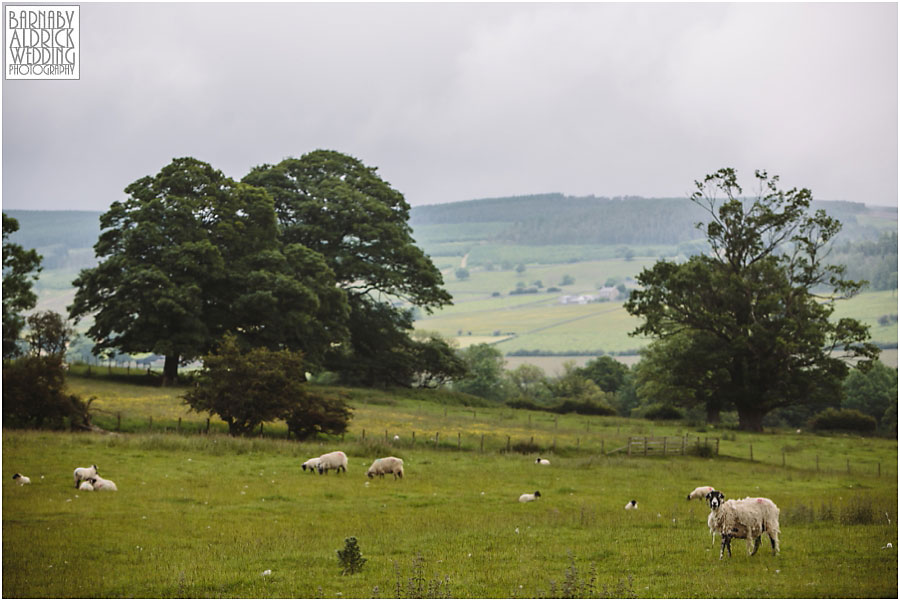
[(336, 460), (386, 465), (102, 484), (540, 461), (747, 518), (700, 492), (528, 497), (84, 473), (86, 485), (22, 480), (311, 464), (632, 504)]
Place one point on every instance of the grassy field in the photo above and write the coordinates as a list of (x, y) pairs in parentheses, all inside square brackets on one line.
[(206, 516)]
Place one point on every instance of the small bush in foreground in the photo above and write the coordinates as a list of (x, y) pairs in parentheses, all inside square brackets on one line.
[(350, 557)]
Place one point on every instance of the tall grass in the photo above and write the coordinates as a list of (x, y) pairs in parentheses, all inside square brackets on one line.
[(206, 516)]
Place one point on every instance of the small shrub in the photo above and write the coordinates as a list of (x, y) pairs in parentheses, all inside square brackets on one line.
[(526, 448), (350, 558), (417, 586), (843, 419), (857, 512), (703, 449)]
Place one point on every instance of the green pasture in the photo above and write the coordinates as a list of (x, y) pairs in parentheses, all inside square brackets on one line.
[(206, 516), (418, 417)]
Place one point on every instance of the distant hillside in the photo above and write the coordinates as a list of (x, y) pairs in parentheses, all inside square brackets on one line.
[(546, 219), (64, 238)]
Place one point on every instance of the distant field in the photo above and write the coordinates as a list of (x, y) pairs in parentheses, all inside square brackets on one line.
[(540, 322)]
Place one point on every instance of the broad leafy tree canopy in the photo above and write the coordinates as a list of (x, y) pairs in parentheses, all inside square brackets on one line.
[(762, 298), (339, 207)]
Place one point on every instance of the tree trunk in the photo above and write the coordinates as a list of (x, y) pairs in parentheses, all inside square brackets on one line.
[(170, 370), (713, 412), (750, 419)]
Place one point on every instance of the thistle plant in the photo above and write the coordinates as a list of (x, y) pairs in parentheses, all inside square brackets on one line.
[(350, 558)]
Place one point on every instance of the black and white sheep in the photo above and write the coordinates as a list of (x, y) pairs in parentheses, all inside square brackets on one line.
[(632, 504), (540, 461), (85, 473), (747, 518), (22, 480), (311, 464), (528, 497), (336, 460), (102, 484), (386, 465)]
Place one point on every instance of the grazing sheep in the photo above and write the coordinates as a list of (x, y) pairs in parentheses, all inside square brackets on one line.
[(528, 497), (540, 461), (386, 465), (86, 485), (101, 484), (632, 504), (22, 480), (747, 518), (311, 464), (336, 460), (700, 492), (85, 473)]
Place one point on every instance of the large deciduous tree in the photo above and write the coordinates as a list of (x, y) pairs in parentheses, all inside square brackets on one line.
[(337, 206), (761, 301), (190, 255), (20, 270)]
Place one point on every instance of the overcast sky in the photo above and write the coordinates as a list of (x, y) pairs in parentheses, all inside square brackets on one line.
[(459, 101)]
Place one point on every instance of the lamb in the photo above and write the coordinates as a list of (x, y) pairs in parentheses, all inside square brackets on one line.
[(540, 461), (22, 480), (386, 465), (747, 518), (86, 485), (335, 460), (528, 497), (311, 463), (85, 473), (700, 492), (632, 504), (101, 484)]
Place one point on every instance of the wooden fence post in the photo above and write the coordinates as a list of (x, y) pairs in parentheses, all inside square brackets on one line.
[(817, 463), (532, 441), (414, 438), (665, 445), (577, 444), (458, 441), (364, 434), (507, 443), (645, 446), (437, 435), (385, 437), (879, 469), (179, 425), (207, 425), (683, 438), (782, 458), (717, 447), (629, 446)]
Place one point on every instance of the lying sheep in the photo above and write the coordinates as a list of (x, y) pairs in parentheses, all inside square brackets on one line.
[(700, 492), (311, 464), (102, 484), (86, 485), (540, 461), (22, 480), (528, 497), (747, 518), (386, 465), (632, 504), (84, 473), (335, 460)]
